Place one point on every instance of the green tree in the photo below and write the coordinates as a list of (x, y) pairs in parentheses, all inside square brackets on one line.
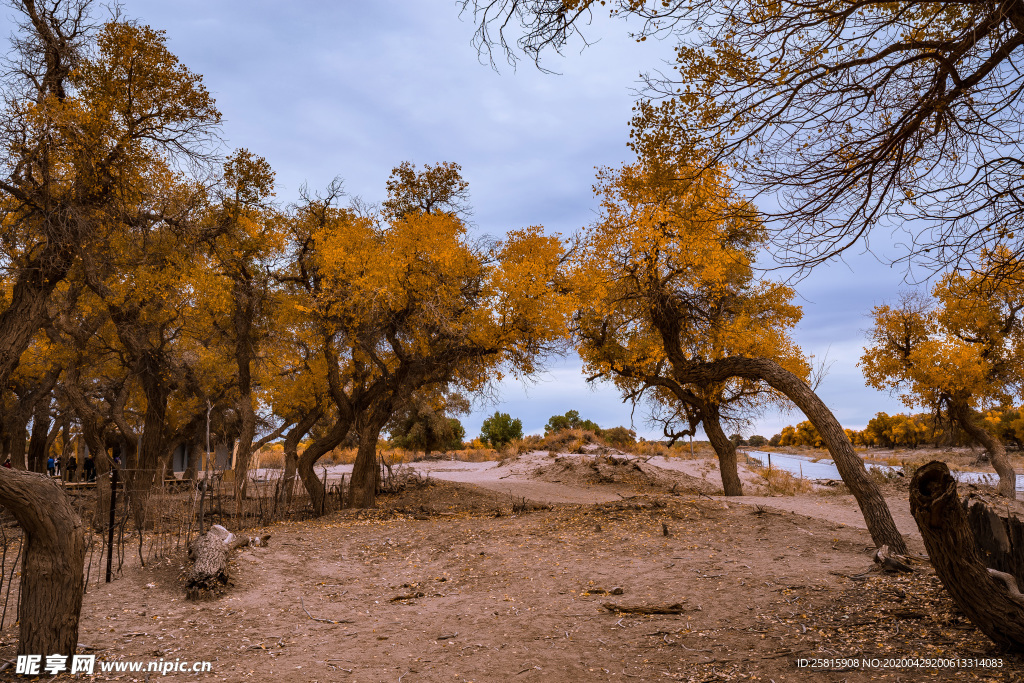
[(426, 424), (619, 436), (499, 429), (571, 420)]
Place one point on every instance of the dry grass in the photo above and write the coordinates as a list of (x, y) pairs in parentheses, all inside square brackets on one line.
[(272, 456), (778, 481)]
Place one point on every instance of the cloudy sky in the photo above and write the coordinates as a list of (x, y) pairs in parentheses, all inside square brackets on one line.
[(352, 89)]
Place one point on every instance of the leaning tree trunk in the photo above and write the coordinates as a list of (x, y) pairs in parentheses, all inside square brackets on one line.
[(1007, 486), (989, 598), (54, 560), (725, 449), (851, 468)]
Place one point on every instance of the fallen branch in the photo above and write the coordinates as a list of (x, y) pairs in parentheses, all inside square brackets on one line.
[(410, 596), (321, 619), (674, 608), (890, 561)]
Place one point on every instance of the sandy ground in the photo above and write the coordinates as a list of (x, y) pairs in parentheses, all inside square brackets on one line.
[(517, 479), (551, 569)]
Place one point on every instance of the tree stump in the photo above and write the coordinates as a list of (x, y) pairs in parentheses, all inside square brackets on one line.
[(998, 527), (989, 598), (208, 575)]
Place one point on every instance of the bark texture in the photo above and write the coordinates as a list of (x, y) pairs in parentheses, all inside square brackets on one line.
[(1007, 486), (54, 560), (998, 530), (366, 470), (291, 449), (989, 598), (726, 452), (314, 452)]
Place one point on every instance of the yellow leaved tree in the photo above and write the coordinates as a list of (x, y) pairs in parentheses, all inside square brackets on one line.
[(95, 122), (665, 278), (669, 305), (958, 351), (409, 300)]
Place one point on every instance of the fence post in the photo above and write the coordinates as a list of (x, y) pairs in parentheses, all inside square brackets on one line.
[(110, 525), (323, 498)]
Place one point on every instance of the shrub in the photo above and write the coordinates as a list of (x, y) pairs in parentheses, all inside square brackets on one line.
[(618, 436)]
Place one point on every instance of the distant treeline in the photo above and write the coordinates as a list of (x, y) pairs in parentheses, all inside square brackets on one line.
[(908, 431)]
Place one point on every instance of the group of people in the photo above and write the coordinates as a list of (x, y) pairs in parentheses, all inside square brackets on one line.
[(53, 467)]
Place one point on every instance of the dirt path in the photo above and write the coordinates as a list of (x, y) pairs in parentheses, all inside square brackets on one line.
[(834, 508), (434, 587)]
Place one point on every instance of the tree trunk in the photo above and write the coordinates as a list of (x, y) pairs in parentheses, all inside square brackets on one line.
[(314, 452), (40, 433), (143, 466), (851, 468), (244, 312), (1007, 486), (989, 598), (366, 471), (998, 528), (291, 450), (95, 442), (19, 439), (192, 449), (54, 561), (725, 449)]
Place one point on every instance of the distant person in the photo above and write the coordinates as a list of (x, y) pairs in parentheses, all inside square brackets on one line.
[(51, 465), (7, 463), (56, 466), (89, 468), (72, 468)]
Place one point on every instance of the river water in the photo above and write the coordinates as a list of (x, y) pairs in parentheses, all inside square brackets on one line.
[(826, 469)]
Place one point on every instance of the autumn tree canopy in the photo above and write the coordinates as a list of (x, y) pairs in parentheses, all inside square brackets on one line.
[(401, 302), (957, 351), (665, 279)]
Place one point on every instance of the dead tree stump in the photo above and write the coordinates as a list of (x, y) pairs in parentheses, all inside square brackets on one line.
[(988, 597), (998, 527), (208, 575)]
